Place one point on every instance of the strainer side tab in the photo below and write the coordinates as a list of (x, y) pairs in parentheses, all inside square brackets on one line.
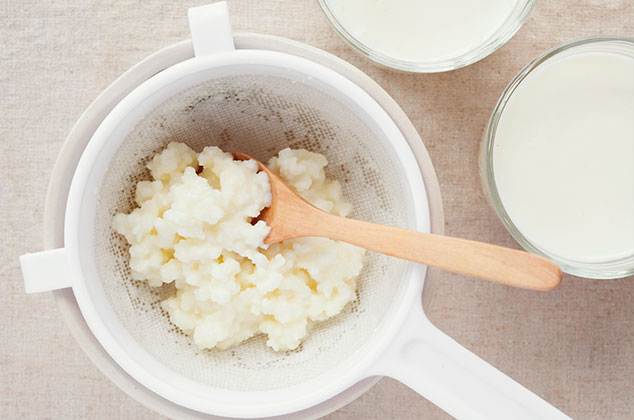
[(45, 271), (210, 27)]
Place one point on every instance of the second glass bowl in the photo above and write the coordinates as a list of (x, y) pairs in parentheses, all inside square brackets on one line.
[(500, 36)]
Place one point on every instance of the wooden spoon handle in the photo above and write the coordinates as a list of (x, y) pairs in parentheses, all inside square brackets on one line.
[(478, 259)]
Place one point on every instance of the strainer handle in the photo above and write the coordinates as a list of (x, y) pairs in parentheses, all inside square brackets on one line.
[(433, 364), (45, 271)]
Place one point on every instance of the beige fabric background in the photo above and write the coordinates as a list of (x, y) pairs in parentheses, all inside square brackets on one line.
[(573, 346)]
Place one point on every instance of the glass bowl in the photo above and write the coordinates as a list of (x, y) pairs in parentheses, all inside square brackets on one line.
[(617, 267), (505, 32)]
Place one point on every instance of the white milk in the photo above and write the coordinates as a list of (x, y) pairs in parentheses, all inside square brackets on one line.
[(563, 158), (422, 30)]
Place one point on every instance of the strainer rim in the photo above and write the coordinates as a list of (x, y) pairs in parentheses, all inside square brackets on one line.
[(402, 149)]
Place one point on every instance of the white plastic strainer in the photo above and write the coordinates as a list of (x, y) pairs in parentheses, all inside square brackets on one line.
[(260, 102)]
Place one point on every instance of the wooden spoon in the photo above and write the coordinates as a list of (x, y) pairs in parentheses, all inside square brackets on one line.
[(290, 216)]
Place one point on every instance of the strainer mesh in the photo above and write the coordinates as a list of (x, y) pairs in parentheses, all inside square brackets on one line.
[(259, 115)]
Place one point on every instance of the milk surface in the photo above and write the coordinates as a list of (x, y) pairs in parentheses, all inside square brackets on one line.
[(422, 30), (564, 156)]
